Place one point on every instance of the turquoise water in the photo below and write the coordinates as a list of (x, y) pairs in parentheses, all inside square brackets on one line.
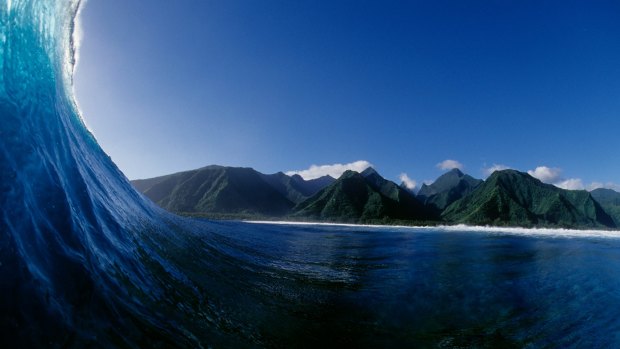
[(86, 261)]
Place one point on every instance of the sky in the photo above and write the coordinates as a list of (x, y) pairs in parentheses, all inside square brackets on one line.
[(413, 88)]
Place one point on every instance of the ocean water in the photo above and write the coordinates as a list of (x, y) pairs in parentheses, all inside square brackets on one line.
[(86, 261)]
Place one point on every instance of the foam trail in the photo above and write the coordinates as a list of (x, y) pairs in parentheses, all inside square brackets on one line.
[(459, 228)]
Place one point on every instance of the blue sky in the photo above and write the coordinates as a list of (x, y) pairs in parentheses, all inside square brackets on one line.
[(168, 86)]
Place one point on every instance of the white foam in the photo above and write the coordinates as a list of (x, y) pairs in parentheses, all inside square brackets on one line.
[(462, 228)]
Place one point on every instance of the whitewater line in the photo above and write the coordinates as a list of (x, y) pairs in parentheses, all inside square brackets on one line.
[(463, 228)]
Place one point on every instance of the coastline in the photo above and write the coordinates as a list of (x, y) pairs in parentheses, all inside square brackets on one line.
[(548, 232)]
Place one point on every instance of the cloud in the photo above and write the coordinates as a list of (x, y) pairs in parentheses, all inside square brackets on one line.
[(496, 167), (595, 185), (546, 174), (554, 176), (570, 184), (334, 170), (409, 183), (449, 164)]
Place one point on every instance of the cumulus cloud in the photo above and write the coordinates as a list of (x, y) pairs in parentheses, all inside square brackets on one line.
[(570, 184), (496, 167), (546, 174), (409, 183), (554, 176), (334, 170), (449, 164)]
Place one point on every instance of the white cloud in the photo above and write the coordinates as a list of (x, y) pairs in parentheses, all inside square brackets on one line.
[(570, 184), (334, 170), (449, 164), (546, 174), (613, 186), (554, 176), (409, 183), (595, 185), (496, 167)]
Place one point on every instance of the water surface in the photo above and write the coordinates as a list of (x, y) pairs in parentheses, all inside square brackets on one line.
[(310, 285)]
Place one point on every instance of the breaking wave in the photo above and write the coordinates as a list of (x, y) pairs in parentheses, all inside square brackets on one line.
[(82, 257), (459, 228)]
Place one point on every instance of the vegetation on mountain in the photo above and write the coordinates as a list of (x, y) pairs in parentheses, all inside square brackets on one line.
[(294, 187), (506, 198), (610, 201), (517, 199), (449, 187), (365, 197), (216, 189)]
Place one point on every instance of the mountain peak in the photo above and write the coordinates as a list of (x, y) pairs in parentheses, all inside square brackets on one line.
[(297, 177), (448, 188), (369, 171), (456, 171), (510, 197), (364, 197), (512, 175), (349, 173)]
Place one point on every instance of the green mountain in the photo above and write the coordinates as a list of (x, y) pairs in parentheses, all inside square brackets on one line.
[(448, 188), (610, 201), (515, 198), (505, 198), (365, 197), (294, 187), (216, 189)]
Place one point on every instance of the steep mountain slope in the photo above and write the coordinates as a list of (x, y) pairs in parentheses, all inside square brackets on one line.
[(216, 189), (366, 197), (515, 198), (610, 201), (295, 188), (448, 188)]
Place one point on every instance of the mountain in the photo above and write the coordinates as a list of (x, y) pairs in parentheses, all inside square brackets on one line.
[(515, 198), (365, 197), (295, 188), (610, 201), (448, 188), (506, 198), (385, 187), (216, 189)]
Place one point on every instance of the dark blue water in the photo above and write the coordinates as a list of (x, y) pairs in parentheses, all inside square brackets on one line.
[(86, 261), (394, 287)]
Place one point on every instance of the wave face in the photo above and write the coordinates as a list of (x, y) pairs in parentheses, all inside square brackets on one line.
[(77, 243)]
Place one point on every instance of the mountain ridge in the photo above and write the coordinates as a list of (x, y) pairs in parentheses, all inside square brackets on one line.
[(506, 198), (362, 197), (511, 197), (446, 189)]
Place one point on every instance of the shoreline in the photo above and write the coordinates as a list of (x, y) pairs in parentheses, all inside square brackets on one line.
[(521, 231)]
